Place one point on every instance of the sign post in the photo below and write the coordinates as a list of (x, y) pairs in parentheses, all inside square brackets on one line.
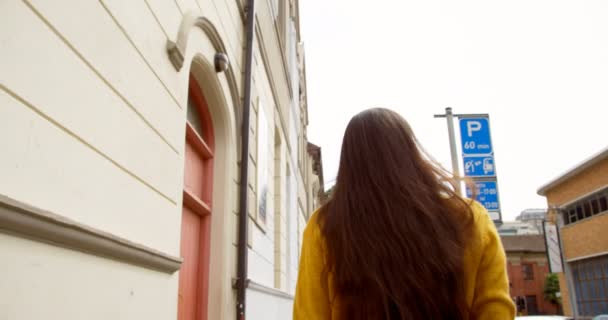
[(452, 136), (478, 161), (478, 158)]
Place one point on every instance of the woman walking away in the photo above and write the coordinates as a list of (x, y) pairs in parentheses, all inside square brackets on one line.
[(395, 241)]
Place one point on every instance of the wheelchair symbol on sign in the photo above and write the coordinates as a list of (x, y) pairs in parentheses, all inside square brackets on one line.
[(479, 166)]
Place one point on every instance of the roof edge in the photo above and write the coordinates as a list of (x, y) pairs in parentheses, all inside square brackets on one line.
[(542, 191)]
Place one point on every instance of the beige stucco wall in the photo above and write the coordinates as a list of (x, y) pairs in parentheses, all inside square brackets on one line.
[(41, 281), (92, 122), (590, 180)]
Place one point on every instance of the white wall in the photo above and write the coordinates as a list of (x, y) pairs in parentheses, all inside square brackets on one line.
[(40, 281), (263, 306), (92, 120), (92, 125)]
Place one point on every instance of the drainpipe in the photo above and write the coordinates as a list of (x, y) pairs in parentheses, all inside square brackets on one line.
[(241, 281)]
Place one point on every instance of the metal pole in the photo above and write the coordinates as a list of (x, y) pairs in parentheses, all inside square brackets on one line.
[(452, 137), (455, 168), (450, 119)]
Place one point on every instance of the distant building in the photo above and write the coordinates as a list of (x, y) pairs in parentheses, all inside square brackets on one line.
[(527, 268), (534, 217), (578, 202), (517, 228), (315, 174)]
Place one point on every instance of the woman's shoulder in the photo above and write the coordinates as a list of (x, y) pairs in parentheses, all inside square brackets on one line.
[(482, 225), (313, 227)]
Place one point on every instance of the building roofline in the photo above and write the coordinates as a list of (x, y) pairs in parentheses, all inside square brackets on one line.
[(573, 171), (315, 152), (529, 243)]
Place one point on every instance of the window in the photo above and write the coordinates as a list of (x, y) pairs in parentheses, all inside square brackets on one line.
[(528, 271), (263, 171), (591, 285), (603, 204), (579, 212), (279, 243), (587, 207), (588, 211)]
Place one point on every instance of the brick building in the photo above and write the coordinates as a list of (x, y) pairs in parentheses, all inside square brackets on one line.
[(527, 267), (578, 203)]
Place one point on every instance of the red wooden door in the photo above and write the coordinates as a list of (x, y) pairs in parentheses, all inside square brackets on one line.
[(196, 212)]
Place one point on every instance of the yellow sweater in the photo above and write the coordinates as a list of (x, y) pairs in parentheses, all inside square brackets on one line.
[(486, 283)]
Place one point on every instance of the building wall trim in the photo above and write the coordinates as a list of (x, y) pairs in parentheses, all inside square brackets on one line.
[(581, 197), (595, 255), (26, 221), (273, 88), (271, 291), (574, 171), (176, 50), (582, 221)]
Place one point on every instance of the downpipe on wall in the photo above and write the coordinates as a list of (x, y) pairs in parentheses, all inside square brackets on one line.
[(242, 280)]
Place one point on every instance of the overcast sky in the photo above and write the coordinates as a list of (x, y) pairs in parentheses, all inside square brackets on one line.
[(539, 68)]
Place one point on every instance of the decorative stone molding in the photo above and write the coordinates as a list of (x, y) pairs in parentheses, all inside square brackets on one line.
[(177, 49), (267, 290), (25, 221)]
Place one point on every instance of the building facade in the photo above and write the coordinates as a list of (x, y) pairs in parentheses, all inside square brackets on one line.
[(534, 217), (120, 131), (578, 205), (528, 268), (515, 228)]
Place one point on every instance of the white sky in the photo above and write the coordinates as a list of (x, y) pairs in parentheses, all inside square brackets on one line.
[(539, 68)]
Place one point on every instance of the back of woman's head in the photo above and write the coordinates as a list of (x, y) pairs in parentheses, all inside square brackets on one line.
[(393, 226)]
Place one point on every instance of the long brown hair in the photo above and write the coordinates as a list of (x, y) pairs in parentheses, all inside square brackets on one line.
[(394, 226)]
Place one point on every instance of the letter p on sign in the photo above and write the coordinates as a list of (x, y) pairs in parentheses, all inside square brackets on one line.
[(473, 126)]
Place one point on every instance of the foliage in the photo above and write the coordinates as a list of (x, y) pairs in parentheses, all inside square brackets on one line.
[(552, 288)]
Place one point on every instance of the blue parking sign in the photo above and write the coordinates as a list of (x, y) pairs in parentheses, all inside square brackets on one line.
[(479, 166), (475, 136), (487, 194)]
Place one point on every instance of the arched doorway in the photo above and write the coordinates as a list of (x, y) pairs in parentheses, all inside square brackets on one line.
[(196, 213)]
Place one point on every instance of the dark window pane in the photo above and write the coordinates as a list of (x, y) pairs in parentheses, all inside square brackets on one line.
[(194, 117), (601, 286), (588, 212), (603, 203), (579, 292), (595, 205), (595, 308), (581, 308), (604, 308), (579, 212), (589, 267), (582, 274), (571, 216), (585, 290), (528, 271), (595, 289), (575, 272)]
